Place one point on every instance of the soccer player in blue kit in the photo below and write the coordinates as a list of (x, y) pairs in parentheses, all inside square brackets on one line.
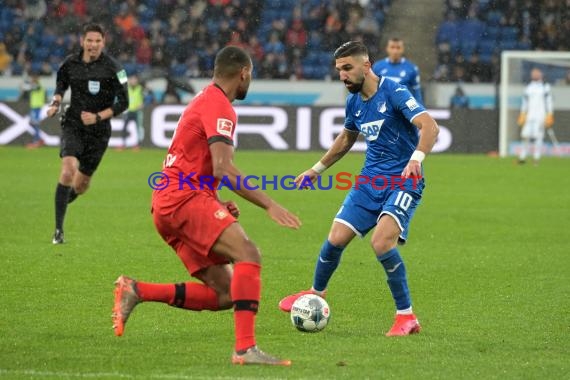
[(401, 70), (389, 118)]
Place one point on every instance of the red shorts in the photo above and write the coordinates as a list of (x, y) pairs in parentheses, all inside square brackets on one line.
[(191, 227)]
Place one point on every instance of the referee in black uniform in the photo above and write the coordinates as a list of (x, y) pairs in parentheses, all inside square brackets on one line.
[(98, 93)]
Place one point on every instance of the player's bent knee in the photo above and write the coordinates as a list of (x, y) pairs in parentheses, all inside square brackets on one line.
[(224, 301), (66, 177), (382, 245), (81, 188), (246, 252), (81, 183), (251, 253)]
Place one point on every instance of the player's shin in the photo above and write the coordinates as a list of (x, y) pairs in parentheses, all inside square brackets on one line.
[(328, 261), (397, 280), (245, 292), (189, 295)]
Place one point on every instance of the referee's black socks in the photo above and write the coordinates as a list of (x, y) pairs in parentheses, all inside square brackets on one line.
[(62, 194), (72, 195)]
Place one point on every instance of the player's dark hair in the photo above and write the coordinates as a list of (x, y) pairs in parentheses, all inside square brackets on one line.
[(230, 61), (395, 39), (349, 49), (93, 27)]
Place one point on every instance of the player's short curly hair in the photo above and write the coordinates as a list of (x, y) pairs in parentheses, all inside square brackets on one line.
[(349, 49), (230, 60)]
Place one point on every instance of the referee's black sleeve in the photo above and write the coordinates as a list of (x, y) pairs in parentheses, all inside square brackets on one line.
[(62, 78), (121, 93)]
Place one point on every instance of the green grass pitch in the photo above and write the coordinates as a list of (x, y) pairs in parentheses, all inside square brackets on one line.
[(487, 261)]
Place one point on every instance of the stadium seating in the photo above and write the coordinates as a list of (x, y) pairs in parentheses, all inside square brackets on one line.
[(489, 27), (42, 45)]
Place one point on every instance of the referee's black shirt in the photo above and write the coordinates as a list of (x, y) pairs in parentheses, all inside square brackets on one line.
[(95, 86)]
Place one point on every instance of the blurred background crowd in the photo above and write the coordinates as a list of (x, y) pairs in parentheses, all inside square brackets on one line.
[(287, 39)]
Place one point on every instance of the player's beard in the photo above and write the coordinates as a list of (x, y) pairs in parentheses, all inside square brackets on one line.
[(354, 87), (242, 91)]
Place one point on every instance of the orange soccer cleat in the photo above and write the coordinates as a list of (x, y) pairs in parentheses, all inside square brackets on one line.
[(405, 324), (287, 303), (126, 298)]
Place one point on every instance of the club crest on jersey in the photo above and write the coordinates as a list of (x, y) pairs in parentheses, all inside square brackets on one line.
[(220, 214), (371, 130), (225, 127), (94, 86)]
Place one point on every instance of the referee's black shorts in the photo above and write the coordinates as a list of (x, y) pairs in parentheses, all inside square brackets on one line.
[(87, 143)]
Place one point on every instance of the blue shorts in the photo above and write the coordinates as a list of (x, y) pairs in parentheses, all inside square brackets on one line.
[(363, 206)]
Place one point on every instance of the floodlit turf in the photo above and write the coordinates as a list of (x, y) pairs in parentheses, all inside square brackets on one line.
[(488, 262)]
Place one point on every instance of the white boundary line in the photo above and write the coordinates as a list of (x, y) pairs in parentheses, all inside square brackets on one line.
[(113, 375)]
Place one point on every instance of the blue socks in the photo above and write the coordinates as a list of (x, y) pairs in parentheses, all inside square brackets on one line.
[(397, 281), (392, 262), (327, 262)]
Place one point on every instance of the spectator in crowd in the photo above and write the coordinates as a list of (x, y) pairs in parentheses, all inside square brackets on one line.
[(459, 99), (171, 96), (5, 59)]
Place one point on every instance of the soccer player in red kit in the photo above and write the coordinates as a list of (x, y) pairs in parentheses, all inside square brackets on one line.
[(202, 229)]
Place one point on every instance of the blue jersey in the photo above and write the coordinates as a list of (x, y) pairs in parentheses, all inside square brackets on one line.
[(385, 122), (403, 72)]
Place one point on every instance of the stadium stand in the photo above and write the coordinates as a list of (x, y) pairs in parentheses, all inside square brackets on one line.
[(487, 27), (287, 38)]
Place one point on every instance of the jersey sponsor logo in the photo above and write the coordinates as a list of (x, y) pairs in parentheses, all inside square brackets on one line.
[(94, 86), (371, 130), (382, 107), (357, 113), (122, 76), (225, 127), (412, 104)]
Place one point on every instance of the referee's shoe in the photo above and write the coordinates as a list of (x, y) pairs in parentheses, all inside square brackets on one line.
[(58, 237)]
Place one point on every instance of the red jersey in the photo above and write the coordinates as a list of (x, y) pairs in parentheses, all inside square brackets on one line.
[(208, 118)]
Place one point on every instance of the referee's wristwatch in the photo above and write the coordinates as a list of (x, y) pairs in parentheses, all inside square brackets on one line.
[(97, 118)]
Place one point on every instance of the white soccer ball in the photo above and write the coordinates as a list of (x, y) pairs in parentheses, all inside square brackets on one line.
[(310, 313)]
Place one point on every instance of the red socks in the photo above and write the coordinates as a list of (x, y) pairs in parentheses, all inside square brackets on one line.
[(245, 291), (189, 295)]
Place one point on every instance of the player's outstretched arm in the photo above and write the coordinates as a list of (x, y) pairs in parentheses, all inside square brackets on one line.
[(425, 123), (222, 162), (341, 145)]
